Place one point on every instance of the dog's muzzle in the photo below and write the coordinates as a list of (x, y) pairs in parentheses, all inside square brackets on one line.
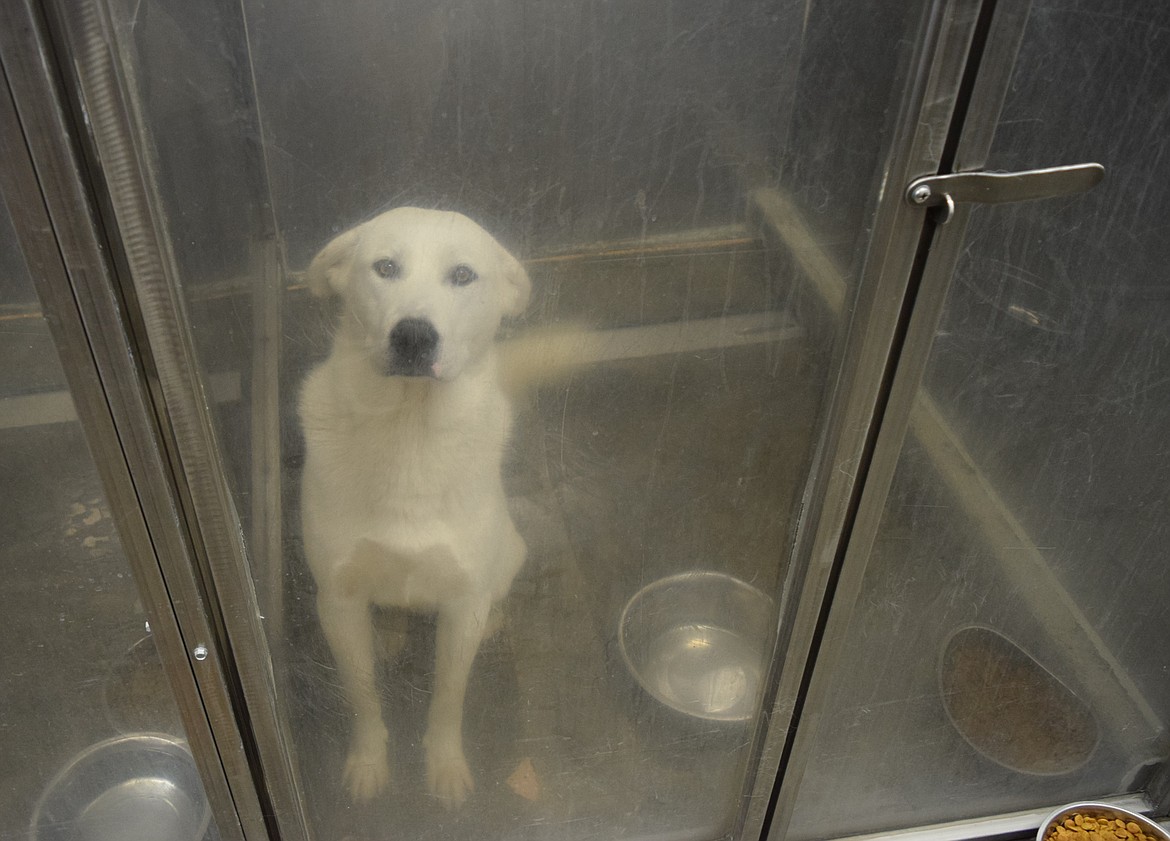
[(413, 348)]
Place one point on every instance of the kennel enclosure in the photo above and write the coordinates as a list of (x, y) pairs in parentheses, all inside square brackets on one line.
[(930, 439)]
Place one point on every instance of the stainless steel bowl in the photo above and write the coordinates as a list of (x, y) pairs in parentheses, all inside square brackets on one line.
[(141, 787), (1100, 810), (698, 643)]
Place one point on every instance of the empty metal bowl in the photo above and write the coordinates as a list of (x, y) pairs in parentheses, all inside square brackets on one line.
[(141, 787), (698, 643), (1099, 811)]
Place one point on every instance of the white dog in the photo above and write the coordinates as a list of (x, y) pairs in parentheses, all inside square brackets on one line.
[(405, 426)]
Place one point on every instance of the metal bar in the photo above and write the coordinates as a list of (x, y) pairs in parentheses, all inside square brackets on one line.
[(679, 242), (269, 265), (818, 269), (267, 510), (588, 347), (704, 240), (42, 185)]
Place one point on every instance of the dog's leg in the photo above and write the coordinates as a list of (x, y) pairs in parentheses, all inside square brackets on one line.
[(349, 629), (460, 629)]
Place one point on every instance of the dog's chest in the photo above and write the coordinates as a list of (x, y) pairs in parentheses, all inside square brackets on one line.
[(416, 455), (421, 459)]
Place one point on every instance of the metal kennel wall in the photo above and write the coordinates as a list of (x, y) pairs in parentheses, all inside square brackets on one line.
[(927, 433)]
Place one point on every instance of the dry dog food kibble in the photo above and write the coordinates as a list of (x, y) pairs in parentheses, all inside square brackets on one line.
[(1100, 828)]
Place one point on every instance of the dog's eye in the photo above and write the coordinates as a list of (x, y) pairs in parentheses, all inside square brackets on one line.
[(387, 268), (462, 275)]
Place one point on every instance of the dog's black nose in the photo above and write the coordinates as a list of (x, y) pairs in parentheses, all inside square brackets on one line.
[(414, 344)]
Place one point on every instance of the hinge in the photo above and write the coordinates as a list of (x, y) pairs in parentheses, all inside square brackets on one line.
[(1000, 187)]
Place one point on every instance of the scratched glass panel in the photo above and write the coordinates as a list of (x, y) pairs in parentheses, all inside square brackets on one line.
[(1011, 644), (646, 191), (89, 733)]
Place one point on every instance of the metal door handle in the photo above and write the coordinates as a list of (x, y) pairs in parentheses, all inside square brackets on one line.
[(1001, 187)]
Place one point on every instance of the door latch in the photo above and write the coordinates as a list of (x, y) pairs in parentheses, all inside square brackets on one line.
[(1000, 187)]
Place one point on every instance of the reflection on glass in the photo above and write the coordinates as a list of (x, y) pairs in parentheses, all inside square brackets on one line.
[(90, 736)]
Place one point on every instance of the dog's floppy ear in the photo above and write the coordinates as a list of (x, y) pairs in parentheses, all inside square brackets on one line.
[(328, 272), (519, 286)]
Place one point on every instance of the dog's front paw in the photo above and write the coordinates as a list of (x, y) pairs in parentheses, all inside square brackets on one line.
[(448, 777), (367, 770)]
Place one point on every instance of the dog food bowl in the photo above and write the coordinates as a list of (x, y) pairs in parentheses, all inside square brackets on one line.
[(1101, 812), (1011, 709), (141, 787), (698, 643)]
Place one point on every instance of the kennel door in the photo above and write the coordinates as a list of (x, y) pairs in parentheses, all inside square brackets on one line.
[(1006, 648), (94, 743), (700, 191)]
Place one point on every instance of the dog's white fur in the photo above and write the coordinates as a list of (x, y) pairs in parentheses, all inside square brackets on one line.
[(403, 503)]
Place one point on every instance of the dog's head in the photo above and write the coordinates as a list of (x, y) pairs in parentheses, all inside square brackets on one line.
[(423, 290)]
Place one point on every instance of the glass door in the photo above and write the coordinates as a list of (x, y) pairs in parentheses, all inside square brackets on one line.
[(518, 522), (999, 641)]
